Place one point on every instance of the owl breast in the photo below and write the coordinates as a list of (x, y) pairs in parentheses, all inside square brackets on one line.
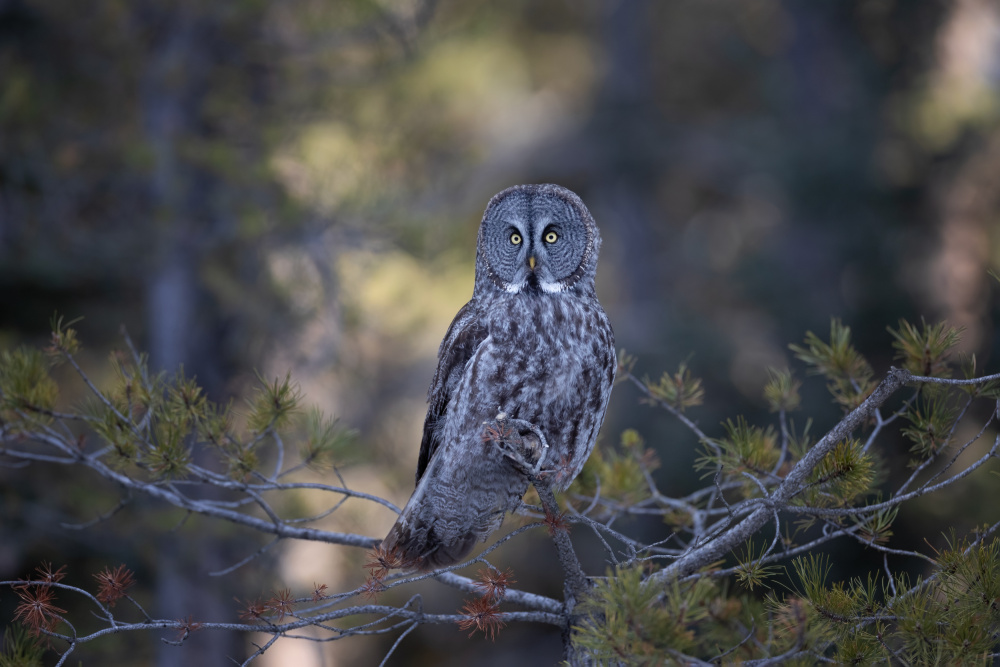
[(550, 361)]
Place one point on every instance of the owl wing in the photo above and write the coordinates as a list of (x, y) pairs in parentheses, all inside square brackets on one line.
[(459, 345)]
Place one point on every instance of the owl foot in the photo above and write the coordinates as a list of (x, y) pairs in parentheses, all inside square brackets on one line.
[(521, 442)]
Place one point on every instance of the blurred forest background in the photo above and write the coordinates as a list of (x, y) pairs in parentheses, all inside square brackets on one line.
[(297, 185)]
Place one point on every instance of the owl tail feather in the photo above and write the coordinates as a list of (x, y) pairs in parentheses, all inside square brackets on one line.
[(445, 516), (417, 547)]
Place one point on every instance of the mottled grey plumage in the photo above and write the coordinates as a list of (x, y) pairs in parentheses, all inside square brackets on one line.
[(523, 379)]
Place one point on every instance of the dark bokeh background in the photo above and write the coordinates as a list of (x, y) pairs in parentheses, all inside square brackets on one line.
[(297, 184)]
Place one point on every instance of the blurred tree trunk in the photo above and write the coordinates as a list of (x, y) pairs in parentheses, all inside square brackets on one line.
[(626, 136), (173, 92)]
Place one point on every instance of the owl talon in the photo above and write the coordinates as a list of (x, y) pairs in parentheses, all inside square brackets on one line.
[(521, 442)]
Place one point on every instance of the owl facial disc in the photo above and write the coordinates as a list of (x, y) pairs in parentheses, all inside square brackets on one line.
[(537, 239)]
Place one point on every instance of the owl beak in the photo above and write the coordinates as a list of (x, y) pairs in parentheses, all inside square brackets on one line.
[(531, 262)]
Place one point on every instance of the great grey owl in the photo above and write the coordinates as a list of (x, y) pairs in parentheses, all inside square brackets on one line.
[(523, 378)]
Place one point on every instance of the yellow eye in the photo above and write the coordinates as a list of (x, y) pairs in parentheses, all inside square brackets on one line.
[(515, 238), (551, 237)]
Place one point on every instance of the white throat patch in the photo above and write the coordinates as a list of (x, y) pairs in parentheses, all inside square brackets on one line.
[(512, 288), (546, 286), (552, 288)]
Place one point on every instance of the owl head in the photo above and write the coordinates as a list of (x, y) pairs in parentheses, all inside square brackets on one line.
[(537, 238)]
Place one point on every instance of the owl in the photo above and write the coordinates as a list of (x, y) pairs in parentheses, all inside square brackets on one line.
[(523, 377)]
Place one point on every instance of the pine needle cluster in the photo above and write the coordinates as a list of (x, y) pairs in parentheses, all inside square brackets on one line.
[(620, 472), (849, 375), (680, 390), (152, 422), (948, 616), (630, 622)]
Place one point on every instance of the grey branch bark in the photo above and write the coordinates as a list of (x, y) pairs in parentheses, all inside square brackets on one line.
[(794, 483)]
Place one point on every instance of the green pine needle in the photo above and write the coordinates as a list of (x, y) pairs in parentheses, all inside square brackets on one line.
[(931, 421), (751, 572), (273, 404), (744, 448), (326, 444), (20, 648), (25, 384), (849, 374), (925, 351), (782, 390), (680, 390)]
